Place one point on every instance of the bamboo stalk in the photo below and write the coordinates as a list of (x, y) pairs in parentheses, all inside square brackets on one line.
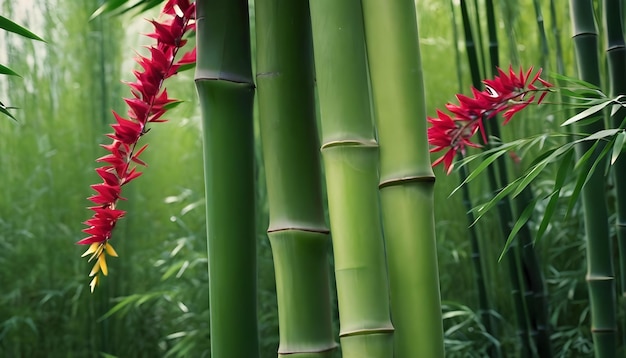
[(600, 275), (407, 180), (297, 230), (616, 59), (350, 155), (226, 90)]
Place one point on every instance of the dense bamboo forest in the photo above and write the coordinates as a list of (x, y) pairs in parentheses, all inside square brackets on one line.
[(356, 178)]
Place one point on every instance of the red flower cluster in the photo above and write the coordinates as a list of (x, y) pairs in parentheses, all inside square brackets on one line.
[(508, 92), (148, 104)]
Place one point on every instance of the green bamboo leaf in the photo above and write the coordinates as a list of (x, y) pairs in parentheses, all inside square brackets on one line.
[(480, 168), (583, 159), (15, 28), (584, 176), (617, 146), (117, 7), (587, 112), (107, 7), (600, 135), (554, 197), (583, 94), (521, 221), (4, 110), (532, 174), (577, 81), (483, 209), (616, 107), (4, 70)]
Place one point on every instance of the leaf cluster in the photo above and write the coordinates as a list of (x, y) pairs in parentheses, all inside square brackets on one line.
[(557, 153), (11, 26)]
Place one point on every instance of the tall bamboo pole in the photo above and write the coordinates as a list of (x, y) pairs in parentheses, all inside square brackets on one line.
[(350, 153), (226, 89), (616, 58), (600, 275), (297, 229), (407, 180)]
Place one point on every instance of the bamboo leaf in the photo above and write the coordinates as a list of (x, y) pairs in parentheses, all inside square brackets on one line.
[(521, 221), (536, 170), (15, 28), (577, 81), (117, 7), (616, 107), (4, 110), (617, 146), (4, 70), (107, 7), (582, 177), (554, 197), (587, 112), (483, 209), (600, 135)]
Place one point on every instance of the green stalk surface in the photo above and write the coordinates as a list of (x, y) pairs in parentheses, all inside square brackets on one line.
[(616, 58), (350, 153), (226, 91), (407, 179), (600, 275), (297, 229)]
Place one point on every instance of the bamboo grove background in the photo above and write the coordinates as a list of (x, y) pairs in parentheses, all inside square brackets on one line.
[(155, 303)]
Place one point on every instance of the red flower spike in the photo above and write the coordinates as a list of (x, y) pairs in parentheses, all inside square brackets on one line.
[(507, 93), (147, 104)]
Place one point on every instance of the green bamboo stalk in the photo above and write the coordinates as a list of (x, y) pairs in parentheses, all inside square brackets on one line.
[(226, 90), (543, 39), (558, 47), (504, 207), (600, 275), (350, 153), (483, 299), (616, 58), (407, 179), (537, 299), (297, 229)]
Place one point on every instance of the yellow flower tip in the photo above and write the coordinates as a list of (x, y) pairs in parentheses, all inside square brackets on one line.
[(102, 262), (93, 284), (95, 268), (92, 248), (110, 250)]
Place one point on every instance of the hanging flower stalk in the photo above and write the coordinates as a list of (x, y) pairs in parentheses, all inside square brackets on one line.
[(508, 92), (148, 103)]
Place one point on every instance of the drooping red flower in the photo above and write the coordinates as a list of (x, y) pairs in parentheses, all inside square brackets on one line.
[(508, 93), (148, 104)]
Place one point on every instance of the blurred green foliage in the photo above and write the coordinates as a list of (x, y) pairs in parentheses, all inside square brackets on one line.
[(155, 301)]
